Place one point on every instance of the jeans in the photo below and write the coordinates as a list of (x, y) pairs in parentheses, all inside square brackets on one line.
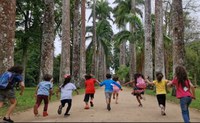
[(184, 103)]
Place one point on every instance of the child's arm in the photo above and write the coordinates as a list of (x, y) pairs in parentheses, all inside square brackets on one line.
[(57, 92), (150, 83), (192, 87), (50, 93), (76, 91), (131, 82), (22, 87)]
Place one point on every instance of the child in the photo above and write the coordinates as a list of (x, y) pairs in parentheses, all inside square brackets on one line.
[(136, 90), (161, 91), (109, 89), (66, 90), (9, 92), (185, 91), (89, 90), (116, 89), (43, 91)]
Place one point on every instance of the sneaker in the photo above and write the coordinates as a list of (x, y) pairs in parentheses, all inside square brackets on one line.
[(86, 107), (108, 107), (45, 114), (60, 109), (91, 104), (66, 115), (163, 111), (8, 120)]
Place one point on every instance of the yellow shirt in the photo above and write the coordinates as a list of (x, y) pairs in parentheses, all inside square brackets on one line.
[(160, 86)]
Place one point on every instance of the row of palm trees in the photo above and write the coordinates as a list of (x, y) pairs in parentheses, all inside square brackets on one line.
[(97, 58)]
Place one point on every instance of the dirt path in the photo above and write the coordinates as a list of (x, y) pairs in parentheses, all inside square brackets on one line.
[(126, 111)]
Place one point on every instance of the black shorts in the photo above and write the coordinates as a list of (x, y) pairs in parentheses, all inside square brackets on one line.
[(161, 99), (68, 101), (87, 96)]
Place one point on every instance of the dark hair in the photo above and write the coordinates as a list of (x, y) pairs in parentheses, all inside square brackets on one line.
[(67, 80), (16, 69), (181, 74), (108, 76), (159, 76), (115, 78), (137, 75), (88, 76), (47, 77)]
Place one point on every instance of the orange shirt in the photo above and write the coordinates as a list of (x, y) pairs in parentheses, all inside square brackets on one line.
[(90, 86)]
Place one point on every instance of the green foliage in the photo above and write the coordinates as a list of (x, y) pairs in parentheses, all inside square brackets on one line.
[(123, 73)]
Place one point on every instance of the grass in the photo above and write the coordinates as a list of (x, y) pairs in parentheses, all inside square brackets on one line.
[(27, 100), (195, 103)]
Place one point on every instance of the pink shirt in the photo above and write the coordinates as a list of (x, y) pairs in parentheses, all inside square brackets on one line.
[(180, 91)]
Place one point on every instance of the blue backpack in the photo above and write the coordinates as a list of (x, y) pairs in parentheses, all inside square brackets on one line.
[(5, 80)]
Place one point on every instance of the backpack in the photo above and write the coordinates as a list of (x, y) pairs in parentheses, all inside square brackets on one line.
[(141, 83), (5, 80)]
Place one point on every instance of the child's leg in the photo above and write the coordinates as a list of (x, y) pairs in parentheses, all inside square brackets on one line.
[(37, 104), (116, 101), (91, 100), (86, 99), (69, 101), (61, 106), (114, 95), (138, 99), (46, 102)]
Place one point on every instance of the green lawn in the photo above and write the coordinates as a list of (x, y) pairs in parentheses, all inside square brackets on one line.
[(27, 101), (195, 103)]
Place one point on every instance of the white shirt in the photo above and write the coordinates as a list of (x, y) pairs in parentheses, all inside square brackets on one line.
[(66, 91)]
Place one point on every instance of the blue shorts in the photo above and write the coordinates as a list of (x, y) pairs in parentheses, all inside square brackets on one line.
[(7, 93)]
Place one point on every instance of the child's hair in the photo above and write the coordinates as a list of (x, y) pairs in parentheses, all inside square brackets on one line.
[(108, 76), (16, 69), (181, 74), (115, 78), (159, 76), (88, 76), (67, 80), (47, 77), (136, 76)]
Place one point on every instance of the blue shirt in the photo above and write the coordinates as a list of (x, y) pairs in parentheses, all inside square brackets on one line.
[(44, 87), (109, 85)]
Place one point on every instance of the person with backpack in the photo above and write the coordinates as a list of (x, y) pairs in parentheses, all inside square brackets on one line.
[(7, 82), (185, 91), (43, 91), (66, 90), (139, 86), (108, 83), (161, 91)]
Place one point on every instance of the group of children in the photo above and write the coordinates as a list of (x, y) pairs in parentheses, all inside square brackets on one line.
[(185, 91)]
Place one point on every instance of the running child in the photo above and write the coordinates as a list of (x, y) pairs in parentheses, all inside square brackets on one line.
[(43, 91), (89, 90), (109, 89), (139, 86), (66, 90), (161, 91), (116, 89)]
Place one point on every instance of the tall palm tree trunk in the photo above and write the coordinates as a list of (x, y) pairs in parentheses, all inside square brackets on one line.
[(47, 51), (159, 46), (65, 51), (7, 33), (76, 46), (178, 33), (132, 46), (148, 65)]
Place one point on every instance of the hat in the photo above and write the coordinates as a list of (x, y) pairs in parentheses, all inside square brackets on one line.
[(67, 76)]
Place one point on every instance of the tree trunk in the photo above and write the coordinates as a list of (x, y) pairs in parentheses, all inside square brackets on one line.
[(122, 58), (94, 61), (159, 46), (76, 46), (132, 46), (148, 65), (7, 33), (178, 33), (65, 51), (47, 51)]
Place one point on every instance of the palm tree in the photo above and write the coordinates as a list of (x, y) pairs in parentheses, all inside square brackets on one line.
[(178, 34), (47, 49), (159, 46), (76, 45), (7, 34), (65, 51), (148, 65)]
